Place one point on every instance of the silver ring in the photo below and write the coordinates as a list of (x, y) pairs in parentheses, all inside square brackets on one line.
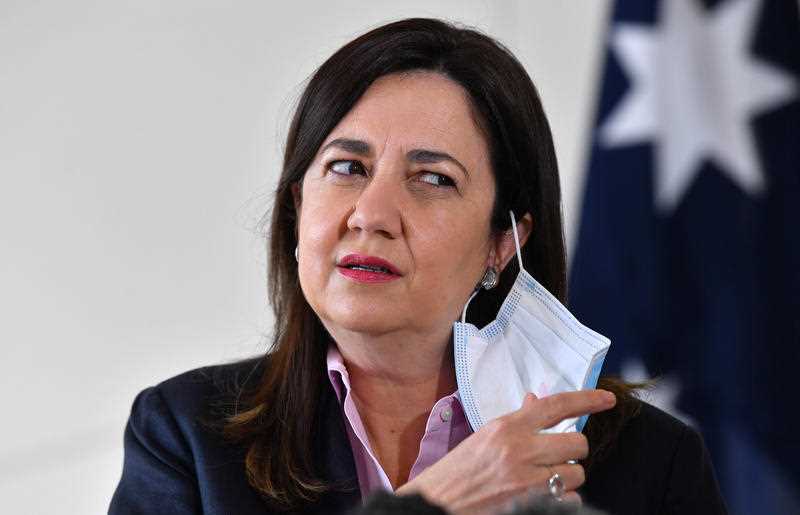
[(555, 485)]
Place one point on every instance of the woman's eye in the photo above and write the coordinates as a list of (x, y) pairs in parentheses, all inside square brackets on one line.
[(437, 179), (347, 167)]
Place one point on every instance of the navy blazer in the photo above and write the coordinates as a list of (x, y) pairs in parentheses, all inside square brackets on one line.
[(174, 464)]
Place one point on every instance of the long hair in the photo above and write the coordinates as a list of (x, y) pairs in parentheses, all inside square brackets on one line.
[(278, 420)]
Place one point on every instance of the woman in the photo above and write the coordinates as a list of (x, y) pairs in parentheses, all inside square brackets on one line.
[(409, 151)]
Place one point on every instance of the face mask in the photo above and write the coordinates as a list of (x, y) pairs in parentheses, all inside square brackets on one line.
[(535, 345)]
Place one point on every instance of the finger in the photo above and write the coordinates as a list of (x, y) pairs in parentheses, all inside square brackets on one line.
[(538, 497), (573, 476), (572, 498), (549, 411), (528, 401), (560, 448)]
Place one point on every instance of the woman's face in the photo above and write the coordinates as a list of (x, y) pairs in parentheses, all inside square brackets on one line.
[(404, 177)]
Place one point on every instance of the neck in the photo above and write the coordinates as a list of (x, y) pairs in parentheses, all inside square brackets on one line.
[(394, 386), (397, 378)]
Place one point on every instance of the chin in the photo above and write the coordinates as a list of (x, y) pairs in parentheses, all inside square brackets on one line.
[(367, 318), (363, 322)]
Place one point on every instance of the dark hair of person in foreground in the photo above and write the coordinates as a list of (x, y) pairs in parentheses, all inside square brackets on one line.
[(276, 422)]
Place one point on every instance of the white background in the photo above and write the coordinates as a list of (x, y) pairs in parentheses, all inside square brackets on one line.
[(139, 144)]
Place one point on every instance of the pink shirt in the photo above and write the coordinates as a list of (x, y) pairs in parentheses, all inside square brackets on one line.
[(447, 426)]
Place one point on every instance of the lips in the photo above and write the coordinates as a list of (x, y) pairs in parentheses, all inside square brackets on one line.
[(368, 265)]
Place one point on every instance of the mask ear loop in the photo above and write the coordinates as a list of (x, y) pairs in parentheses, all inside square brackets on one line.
[(519, 259), (516, 240), (464, 313)]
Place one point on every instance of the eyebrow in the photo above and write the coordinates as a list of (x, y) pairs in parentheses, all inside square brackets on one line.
[(417, 155)]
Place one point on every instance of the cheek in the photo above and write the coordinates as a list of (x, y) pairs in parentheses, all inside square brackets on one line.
[(451, 250), (452, 234), (322, 222), (322, 216)]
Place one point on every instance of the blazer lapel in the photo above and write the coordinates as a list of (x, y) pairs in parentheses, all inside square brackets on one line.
[(333, 447)]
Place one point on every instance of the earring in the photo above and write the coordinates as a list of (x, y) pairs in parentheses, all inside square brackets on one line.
[(489, 280), (297, 254)]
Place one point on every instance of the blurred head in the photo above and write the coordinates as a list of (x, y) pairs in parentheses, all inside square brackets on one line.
[(384, 503)]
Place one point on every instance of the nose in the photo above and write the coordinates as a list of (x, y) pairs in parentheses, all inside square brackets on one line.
[(377, 210)]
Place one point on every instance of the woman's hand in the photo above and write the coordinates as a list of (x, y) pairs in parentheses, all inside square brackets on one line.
[(508, 457)]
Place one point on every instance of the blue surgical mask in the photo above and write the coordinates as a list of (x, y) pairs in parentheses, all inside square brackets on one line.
[(535, 345)]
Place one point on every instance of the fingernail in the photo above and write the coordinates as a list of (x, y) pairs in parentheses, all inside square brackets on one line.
[(608, 397)]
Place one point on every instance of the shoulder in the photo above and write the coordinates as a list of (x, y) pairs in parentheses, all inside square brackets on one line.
[(212, 378), (195, 395), (646, 438), (185, 392), (175, 459), (663, 464), (655, 424)]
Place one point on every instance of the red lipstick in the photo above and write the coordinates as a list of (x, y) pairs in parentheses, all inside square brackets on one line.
[(367, 269)]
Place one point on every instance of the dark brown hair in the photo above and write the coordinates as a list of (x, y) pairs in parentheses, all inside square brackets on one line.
[(277, 422)]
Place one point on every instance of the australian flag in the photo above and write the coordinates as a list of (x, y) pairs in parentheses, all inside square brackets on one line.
[(688, 253)]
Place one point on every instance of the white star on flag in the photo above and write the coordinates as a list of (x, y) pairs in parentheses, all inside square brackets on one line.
[(695, 88)]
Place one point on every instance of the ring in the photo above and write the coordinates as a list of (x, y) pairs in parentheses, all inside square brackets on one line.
[(555, 485)]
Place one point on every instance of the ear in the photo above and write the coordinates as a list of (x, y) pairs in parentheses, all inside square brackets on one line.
[(503, 248)]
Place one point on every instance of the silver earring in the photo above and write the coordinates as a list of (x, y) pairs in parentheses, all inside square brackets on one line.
[(297, 254), (489, 280)]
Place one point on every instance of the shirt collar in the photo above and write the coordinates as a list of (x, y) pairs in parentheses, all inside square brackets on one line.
[(337, 372)]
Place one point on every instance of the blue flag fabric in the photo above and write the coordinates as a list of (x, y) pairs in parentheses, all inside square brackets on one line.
[(688, 252)]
